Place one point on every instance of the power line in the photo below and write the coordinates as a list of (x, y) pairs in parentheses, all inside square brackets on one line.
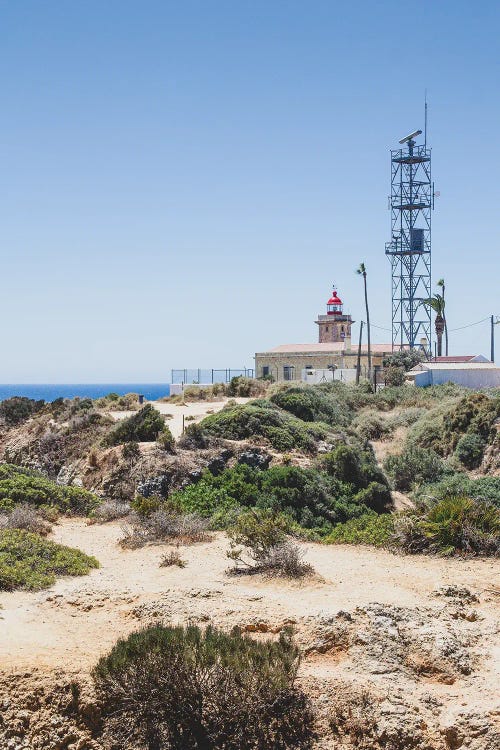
[(469, 325), (381, 327)]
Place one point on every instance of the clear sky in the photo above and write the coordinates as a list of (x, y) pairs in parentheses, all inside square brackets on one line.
[(181, 182)]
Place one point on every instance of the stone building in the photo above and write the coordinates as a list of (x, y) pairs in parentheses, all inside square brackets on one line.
[(333, 352)]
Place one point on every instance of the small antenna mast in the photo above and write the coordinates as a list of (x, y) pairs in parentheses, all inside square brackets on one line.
[(425, 126)]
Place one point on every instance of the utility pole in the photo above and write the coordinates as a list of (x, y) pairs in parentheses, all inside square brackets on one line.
[(493, 324), (358, 365)]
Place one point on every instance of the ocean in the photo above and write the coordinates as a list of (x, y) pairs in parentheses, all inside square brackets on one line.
[(51, 391)]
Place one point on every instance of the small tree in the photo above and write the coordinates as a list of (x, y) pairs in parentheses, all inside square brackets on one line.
[(442, 286)]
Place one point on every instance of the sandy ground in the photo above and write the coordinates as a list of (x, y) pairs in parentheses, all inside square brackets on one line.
[(175, 412), (79, 618)]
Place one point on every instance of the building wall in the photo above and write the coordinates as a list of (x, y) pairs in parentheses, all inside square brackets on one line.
[(276, 362), (467, 378), (333, 328)]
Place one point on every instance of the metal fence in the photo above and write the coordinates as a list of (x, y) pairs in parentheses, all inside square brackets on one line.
[(204, 376)]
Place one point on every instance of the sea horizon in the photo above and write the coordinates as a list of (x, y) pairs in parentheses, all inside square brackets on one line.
[(51, 391)]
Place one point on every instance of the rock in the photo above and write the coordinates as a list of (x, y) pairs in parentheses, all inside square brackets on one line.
[(158, 486), (217, 464), (255, 458)]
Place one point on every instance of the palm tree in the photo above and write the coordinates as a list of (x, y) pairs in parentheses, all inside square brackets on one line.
[(441, 284), (361, 271), (436, 303)]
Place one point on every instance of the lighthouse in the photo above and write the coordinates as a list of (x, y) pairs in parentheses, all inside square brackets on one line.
[(335, 325)]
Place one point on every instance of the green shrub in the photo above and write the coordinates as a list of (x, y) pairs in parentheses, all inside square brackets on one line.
[(166, 440), (414, 466), (259, 544), (371, 426), (19, 485), (261, 419), (30, 562), (370, 528), (182, 688), (243, 387), (454, 524), (469, 450), (144, 426), (131, 450), (483, 488), (443, 427), (312, 405), (406, 359), (394, 375), (18, 409), (359, 469), (311, 498)]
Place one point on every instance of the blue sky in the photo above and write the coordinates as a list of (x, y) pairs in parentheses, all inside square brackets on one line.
[(181, 182)]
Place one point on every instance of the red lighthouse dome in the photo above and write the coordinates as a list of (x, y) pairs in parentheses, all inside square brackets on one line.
[(334, 305)]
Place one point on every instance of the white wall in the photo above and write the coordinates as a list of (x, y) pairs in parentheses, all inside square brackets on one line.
[(321, 376), (476, 379)]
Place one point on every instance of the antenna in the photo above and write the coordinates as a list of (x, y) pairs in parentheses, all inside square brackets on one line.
[(425, 126), (410, 137)]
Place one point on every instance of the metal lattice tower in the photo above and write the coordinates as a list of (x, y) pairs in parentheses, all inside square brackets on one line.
[(411, 203)]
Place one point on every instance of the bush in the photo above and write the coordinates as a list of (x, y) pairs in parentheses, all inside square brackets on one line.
[(172, 558), (18, 409), (469, 450), (414, 466), (394, 375), (311, 498), (454, 524), (242, 387), (261, 419), (484, 488), (182, 688), (144, 426), (166, 440), (406, 359), (370, 528), (131, 450), (312, 405), (110, 510), (114, 402), (29, 562), (259, 544), (371, 426), (24, 517), (359, 469), (162, 525), (19, 485), (443, 427)]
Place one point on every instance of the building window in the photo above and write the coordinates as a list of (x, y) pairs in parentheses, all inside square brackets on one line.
[(288, 372), (326, 329), (265, 371)]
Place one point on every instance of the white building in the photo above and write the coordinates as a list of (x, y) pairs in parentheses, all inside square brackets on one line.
[(472, 374)]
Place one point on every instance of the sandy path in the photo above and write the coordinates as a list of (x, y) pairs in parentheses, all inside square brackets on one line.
[(175, 412), (77, 619)]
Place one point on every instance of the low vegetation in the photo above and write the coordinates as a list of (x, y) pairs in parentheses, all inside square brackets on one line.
[(145, 425), (257, 419), (14, 411), (259, 543), (24, 486), (414, 466), (453, 525), (184, 688), (346, 483), (373, 529), (114, 402), (164, 524), (27, 561)]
